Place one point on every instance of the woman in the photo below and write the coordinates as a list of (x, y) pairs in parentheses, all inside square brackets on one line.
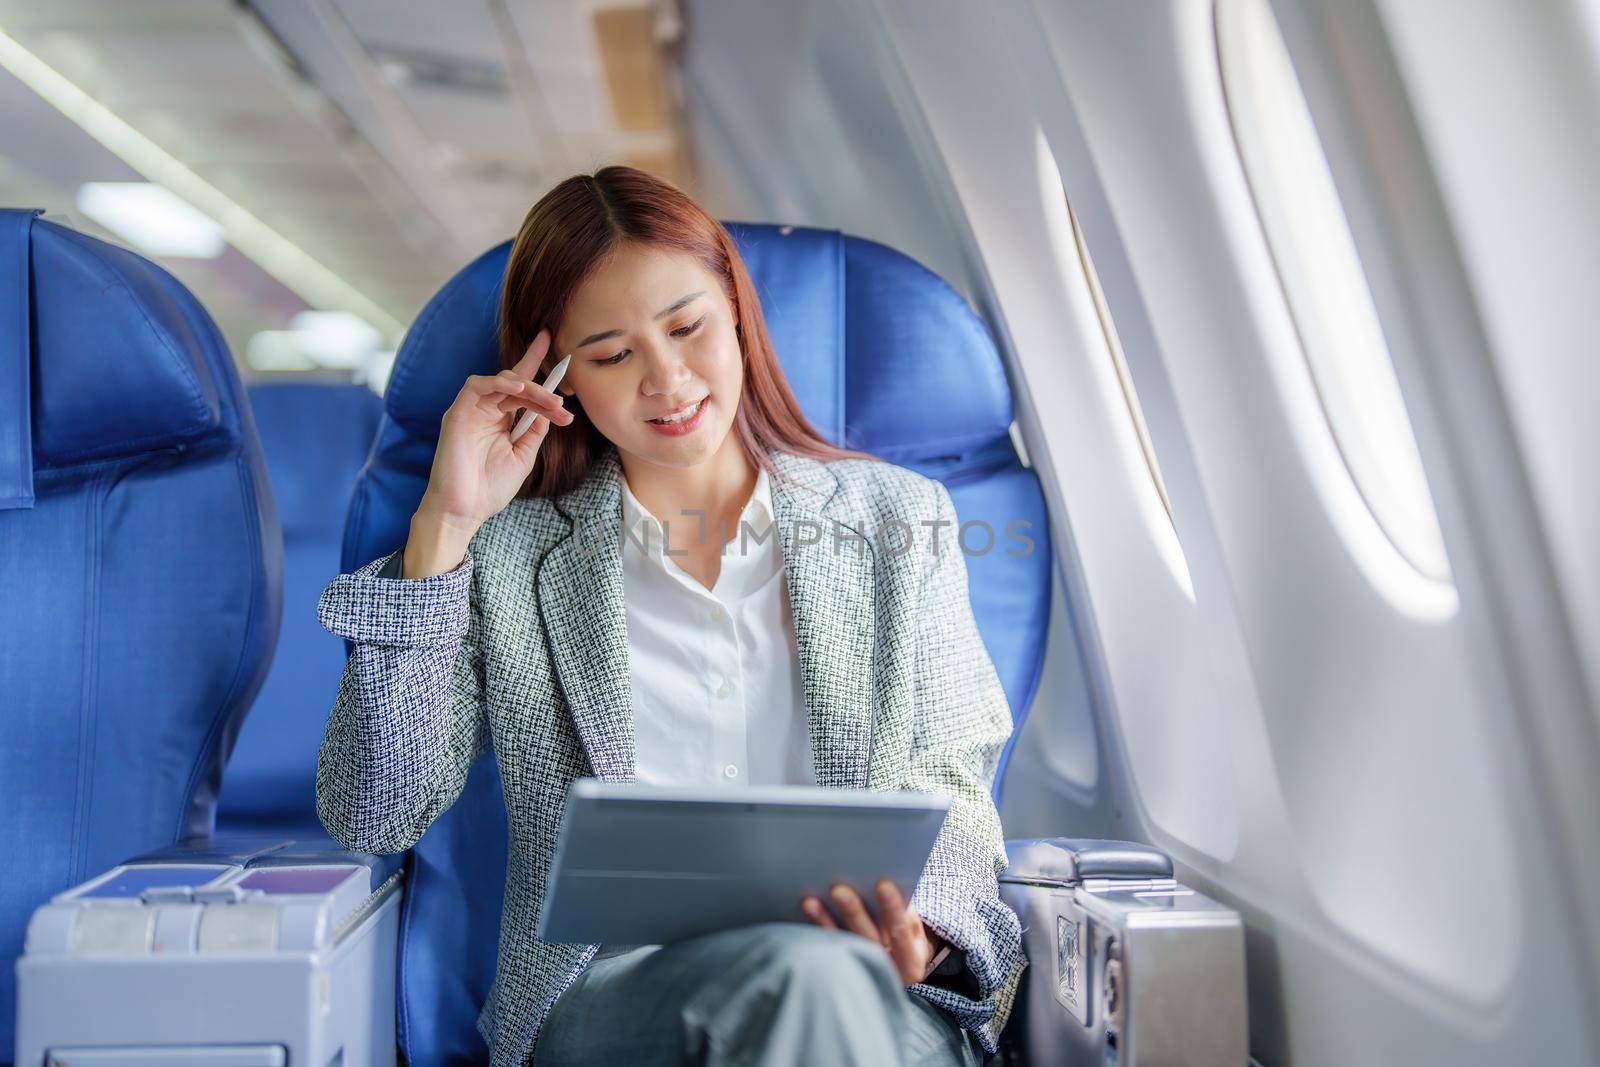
[(602, 596)]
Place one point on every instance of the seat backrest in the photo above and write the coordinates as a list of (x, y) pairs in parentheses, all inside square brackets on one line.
[(316, 436), (883, 356), (140, 565)]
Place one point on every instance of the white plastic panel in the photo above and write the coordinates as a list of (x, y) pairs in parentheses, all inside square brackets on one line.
[(1139, 611), (1338, 770), (171, 1056), (1512, 115), (1356, 696)]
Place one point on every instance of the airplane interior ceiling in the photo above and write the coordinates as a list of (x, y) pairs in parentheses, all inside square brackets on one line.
[(1389, 769), (390, 143)]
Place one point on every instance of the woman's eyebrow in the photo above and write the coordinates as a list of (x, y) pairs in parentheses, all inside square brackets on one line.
[(663, 313)]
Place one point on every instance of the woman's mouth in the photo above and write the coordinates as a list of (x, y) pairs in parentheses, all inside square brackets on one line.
[(685, 420)]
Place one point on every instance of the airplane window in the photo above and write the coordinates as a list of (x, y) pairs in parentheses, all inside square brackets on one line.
[(1323, 282), (1114, 382), (1119, 361), (1073, 253)]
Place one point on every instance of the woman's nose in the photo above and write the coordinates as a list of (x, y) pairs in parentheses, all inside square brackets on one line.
[(665, 373)]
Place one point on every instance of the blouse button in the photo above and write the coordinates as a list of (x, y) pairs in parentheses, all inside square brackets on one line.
[(730, 771), (725, 688), (718, 614)]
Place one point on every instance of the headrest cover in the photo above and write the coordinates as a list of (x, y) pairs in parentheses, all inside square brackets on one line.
[(925, 381), (316, 436), (119, 353), (454, 336)]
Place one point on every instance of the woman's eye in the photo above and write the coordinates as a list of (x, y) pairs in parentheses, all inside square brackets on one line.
[(685, 331), (682, 331)]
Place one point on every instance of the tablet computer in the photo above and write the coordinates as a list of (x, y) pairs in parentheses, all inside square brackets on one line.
[(646, 865)]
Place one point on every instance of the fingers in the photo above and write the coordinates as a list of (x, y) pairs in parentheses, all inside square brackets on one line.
[(507, 404), (896, 912), (901, 934), (854, 913), (505, 393), (510, 383), (814, 910), (534, 355), (527, 446), (489, 384), (908, 941)]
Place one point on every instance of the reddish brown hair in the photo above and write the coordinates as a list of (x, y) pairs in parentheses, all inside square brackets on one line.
[(575, 228)]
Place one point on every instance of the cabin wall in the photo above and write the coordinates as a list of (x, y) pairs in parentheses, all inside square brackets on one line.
[(1241, 669)]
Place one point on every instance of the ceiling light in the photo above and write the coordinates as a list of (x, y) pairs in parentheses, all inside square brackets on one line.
[(303, 275), (151, 219), (326, 340), (335, 339)]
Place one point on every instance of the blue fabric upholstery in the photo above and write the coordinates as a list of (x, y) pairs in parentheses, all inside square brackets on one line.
[(316, 437), (883, 356), (140, 565)]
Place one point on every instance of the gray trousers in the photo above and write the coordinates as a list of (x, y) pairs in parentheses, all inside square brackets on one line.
[(769, 995)]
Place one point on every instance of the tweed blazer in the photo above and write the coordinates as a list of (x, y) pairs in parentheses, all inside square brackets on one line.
[(525, 647)]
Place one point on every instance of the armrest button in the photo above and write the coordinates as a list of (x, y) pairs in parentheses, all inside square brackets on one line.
[(167, 894), (227, 894)]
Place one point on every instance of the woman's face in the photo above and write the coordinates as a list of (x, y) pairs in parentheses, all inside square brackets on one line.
[(651, 334)]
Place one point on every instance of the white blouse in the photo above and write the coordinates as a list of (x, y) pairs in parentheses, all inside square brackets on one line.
[(718, 696)]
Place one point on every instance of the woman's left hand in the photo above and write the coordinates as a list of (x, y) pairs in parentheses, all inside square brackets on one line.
[(903, 934)]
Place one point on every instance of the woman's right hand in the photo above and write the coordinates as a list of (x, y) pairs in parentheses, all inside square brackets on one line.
[(477, 468)]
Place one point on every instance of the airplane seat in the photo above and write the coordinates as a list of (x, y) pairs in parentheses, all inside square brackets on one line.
[(883, 356), (316, 437), (142, 565)]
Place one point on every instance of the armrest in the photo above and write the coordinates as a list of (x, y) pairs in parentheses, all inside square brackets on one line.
[(257, 851), (1106, 927), (277, 950), (1065, 861)]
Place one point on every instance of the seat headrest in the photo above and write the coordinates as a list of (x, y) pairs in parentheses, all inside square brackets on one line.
[(914, 345), (316, 435), (132, 377), (923, 384)]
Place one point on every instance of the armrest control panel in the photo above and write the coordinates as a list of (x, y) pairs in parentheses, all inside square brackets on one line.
[(1126, 965), (284, 950)]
